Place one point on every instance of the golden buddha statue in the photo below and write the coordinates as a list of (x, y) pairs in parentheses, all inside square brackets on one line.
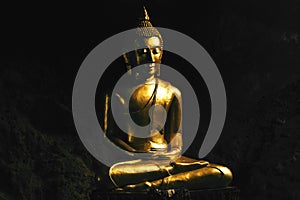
[(164, 143)]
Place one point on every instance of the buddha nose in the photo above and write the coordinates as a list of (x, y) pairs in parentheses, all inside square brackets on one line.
[(152, 57)]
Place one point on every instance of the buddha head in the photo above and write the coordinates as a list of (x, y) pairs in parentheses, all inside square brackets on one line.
[(149, 57)]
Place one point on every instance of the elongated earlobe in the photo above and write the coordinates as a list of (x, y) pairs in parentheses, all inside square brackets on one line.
[(158, 71), (128, 66)]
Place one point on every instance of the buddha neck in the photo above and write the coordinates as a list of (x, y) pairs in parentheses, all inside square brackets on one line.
[(151, 80)]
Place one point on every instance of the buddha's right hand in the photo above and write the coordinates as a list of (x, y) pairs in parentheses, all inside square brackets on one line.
[(188, 164)]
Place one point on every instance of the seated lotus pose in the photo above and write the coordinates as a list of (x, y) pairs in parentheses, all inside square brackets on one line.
[(163, 143)]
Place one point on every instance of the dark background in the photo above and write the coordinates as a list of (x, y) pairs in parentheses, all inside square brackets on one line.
[(255, 44)]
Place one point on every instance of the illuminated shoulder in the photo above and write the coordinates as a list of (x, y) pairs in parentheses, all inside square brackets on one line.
[(171, 89)]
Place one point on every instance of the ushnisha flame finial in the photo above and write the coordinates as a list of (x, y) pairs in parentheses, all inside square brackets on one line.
[(146, 14)]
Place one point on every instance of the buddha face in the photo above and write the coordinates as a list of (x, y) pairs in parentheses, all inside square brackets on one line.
[(149, 58)]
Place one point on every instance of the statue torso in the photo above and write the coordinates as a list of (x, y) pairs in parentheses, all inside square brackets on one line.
[(143, 97)]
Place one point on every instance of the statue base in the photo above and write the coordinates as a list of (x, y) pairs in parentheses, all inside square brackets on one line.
[(227, 193)]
